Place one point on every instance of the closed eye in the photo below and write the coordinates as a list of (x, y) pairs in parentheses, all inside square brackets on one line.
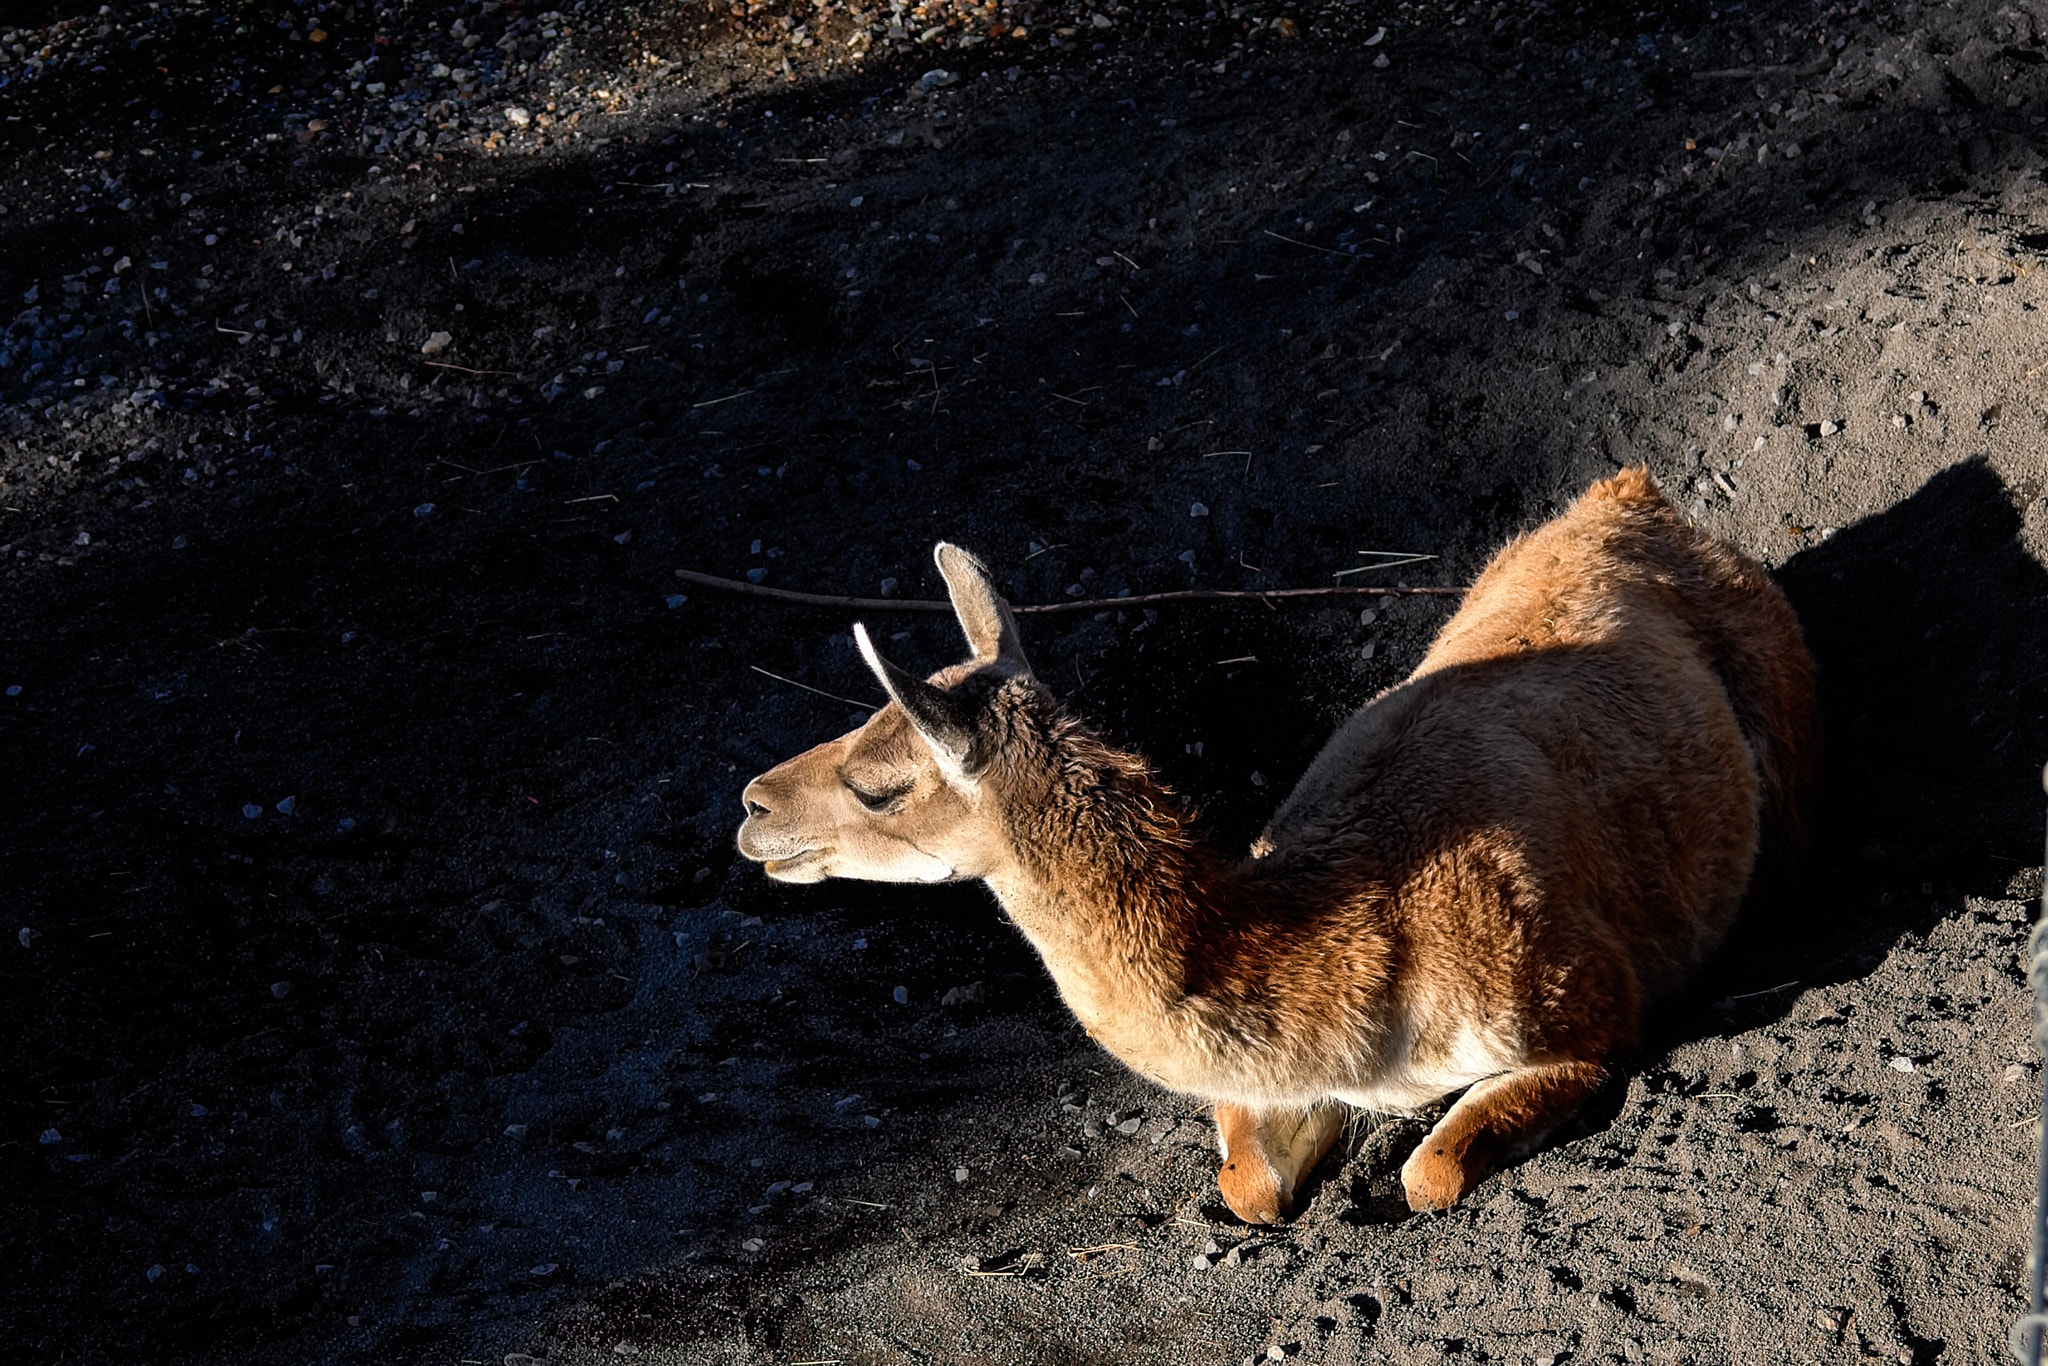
[(877, 802)]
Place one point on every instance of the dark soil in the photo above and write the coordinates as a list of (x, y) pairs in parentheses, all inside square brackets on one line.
[(380, 982)]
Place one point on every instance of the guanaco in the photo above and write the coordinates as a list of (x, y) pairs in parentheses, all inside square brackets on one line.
[(1477, 886)]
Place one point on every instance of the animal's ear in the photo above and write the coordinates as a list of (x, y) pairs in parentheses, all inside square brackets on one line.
[(944, 719), (985, 618)]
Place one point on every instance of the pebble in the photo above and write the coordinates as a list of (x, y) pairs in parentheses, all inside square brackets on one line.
[(1129, 1126), (437, 343), (1198, 509), (516, 1131), (960, 1175), (1903, 1065), (888, 588), (675, 601), (1830, 427), (518, 115), (153, 1275), (251, 811), (423, 510), (872, 1121), (49, 1137), (544, 1269), (287, 806), (280, 989), (14, 689), (27, 936), (902, 995)]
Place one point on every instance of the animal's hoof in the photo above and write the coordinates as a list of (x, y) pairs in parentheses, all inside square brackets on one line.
[(1252, 1190), (1434, 1180)]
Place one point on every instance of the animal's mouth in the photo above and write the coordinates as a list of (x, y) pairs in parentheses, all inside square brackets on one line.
[(793, 865)]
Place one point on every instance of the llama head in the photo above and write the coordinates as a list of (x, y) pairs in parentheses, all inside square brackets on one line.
[(902, 798)]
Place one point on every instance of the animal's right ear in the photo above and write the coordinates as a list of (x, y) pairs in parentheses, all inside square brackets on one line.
[(985, 619)]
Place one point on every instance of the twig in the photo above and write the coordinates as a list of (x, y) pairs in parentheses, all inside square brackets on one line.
[(1082, 1254), (1771, 991), (1048, 608), (1310, 245), (1382, 564), (852, 702), (444, 365), (714, 402), (1744, 73)]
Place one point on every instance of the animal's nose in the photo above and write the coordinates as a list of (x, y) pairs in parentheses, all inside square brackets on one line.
[(751, 799)]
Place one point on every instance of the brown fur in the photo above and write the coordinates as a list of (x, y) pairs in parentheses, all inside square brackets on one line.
[(1478, 885)]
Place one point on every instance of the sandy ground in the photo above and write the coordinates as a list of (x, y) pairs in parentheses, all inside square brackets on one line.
[(380, 984)]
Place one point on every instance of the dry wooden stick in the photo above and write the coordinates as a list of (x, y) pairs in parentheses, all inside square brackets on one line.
[(1081, 605)]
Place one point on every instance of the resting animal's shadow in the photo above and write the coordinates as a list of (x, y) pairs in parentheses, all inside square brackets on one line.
[(1929, 623)]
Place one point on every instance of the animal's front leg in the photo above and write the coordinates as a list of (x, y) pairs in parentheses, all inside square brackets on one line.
[(1495, 1121), (1267, 1153)]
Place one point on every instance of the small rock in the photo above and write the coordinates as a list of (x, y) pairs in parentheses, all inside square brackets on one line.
[(1092, 1129), (1129, 1126), (437, 343), (287, 806), (515, 1131), (27, 937), (675, 601), (518, 115), (753, 1245), (960, 1175), (423, 511), (49, 1137), (544, 1269), (902, 995), (251, 811), (872, 1121), (888, 588), (1830, 427), (154, 1274), (1198, 509), (1202, 1262), (280, 989), (1903, 1065)]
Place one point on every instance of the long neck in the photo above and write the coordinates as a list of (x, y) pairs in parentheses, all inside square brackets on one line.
[(1244, 980), (1108, 883)]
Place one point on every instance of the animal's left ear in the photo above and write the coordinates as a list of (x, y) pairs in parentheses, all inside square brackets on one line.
[(985, 618)]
